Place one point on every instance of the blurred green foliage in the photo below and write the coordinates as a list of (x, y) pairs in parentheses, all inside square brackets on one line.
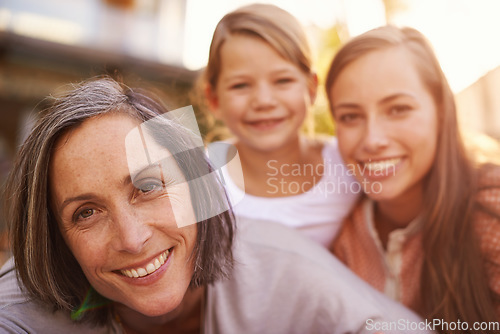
[(319, 121)]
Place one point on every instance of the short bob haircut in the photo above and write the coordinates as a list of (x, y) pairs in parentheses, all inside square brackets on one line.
[(44, 264), (271, 24)]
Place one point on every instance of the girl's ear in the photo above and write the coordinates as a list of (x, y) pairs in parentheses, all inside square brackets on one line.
[(212, 100), (313, 86)]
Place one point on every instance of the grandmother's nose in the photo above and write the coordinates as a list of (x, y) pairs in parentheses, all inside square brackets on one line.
[(131, 231)]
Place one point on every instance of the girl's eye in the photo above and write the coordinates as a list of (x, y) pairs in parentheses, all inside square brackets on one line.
[(284, 80), (239, 85)]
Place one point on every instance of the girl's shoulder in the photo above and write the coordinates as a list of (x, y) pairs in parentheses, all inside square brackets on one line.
[(325, 146)]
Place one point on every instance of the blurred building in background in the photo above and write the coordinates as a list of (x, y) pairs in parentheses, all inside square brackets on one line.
[(462, 33), (46, 44), (479, 105)]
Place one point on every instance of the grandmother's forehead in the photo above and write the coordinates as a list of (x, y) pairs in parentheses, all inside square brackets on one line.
[(146, 152), (178, 128), (143, 150)]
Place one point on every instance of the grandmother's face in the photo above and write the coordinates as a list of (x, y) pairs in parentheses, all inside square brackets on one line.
[(117, 215)]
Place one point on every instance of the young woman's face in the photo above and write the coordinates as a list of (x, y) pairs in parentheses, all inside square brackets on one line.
[(261, 97), (116, 215), (386, 123)]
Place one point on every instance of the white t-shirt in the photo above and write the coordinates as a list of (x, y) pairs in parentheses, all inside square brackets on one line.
[(317, 213)]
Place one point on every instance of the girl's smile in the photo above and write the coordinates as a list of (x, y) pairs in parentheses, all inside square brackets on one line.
[(260, 96)]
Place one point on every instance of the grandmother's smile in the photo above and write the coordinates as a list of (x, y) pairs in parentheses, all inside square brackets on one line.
[(149, 268), (124, 234)]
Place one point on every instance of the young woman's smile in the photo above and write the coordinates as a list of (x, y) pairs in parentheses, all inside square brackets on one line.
[(386, 123)]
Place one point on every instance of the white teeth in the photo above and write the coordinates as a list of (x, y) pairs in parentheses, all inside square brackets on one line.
[(265, 122), (142, 272), (381, 165), (150, 268)]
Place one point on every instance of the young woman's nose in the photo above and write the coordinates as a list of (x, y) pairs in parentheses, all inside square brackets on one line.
[(376, 136), (263, 97), (132, 231)]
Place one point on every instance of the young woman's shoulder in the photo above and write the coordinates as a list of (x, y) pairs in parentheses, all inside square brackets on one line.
[(488, 195), (487, 225), (487, 214)]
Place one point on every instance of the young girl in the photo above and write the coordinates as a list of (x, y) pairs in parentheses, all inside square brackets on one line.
[(427, 232), (259, 81)]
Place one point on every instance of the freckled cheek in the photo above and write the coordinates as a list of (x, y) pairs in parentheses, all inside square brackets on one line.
[(89, 250)]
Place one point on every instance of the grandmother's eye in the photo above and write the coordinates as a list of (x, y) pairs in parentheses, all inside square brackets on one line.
[(86, 213), (149, 185)]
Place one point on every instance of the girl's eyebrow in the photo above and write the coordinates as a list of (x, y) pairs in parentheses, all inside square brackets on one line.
[(282, 70)]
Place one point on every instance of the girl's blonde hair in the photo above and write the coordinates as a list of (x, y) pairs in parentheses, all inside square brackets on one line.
[(453, 280), (275, 26)]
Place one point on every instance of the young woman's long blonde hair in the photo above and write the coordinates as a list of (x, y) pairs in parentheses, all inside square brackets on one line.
[(453, 280)]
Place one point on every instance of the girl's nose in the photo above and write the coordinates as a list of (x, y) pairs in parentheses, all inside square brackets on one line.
[(263, 97)]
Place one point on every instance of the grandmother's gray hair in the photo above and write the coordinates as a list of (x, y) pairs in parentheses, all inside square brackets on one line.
[(44, 264)]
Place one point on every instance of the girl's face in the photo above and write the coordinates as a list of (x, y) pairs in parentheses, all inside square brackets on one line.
[(386, 123), (261, 97), (116, 215)]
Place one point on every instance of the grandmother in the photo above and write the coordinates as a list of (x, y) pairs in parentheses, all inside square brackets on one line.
[(119, 225)]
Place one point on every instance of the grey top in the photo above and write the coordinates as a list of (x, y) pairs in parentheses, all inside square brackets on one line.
[(20, 314), (282, 283)]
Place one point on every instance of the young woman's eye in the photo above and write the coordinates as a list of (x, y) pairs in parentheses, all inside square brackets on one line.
[(399, 109)]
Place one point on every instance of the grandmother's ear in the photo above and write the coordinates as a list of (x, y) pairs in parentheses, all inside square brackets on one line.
[(212, 100)]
